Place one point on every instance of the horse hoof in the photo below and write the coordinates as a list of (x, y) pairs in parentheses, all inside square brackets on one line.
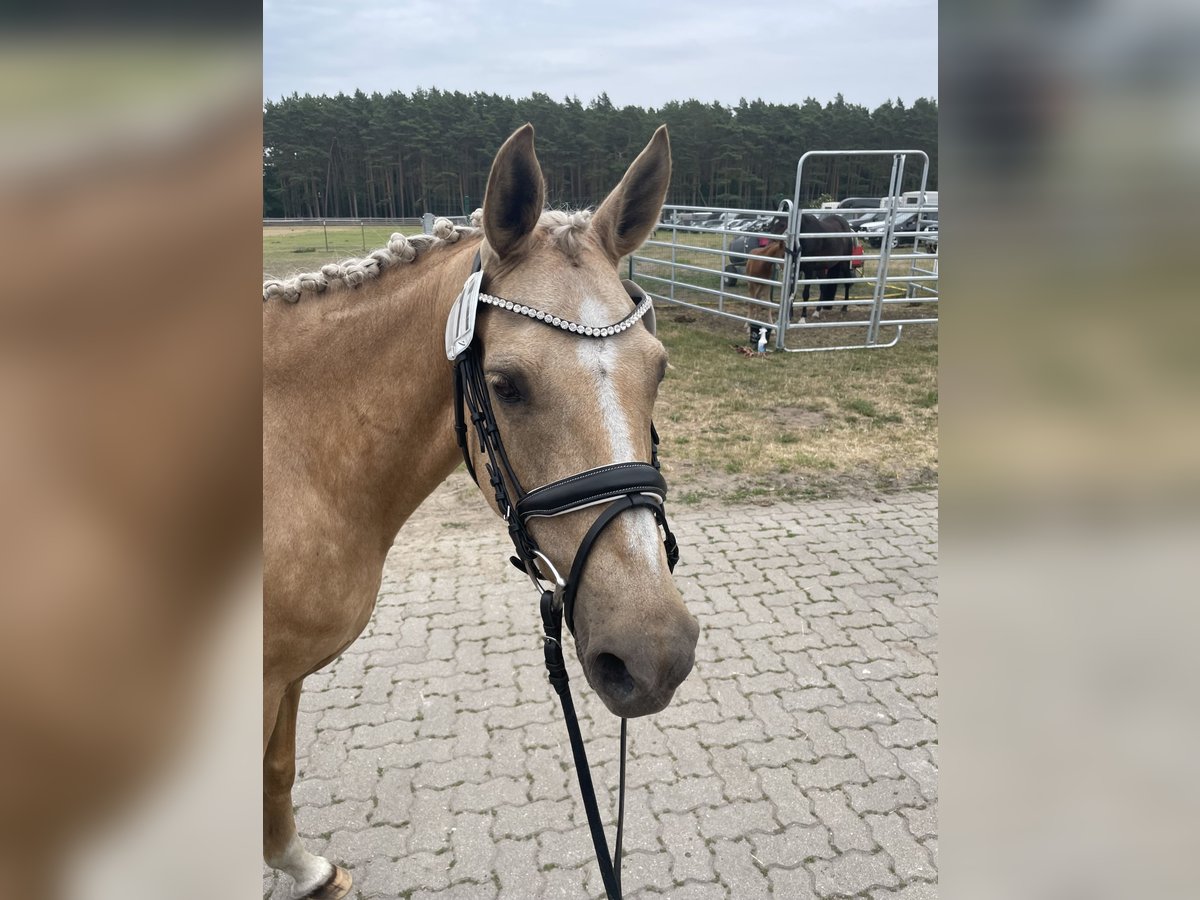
[(337, 887)]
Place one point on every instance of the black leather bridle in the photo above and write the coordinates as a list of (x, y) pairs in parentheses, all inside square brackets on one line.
[(619, 487)]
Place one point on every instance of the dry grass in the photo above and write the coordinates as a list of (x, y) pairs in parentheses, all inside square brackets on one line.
[(735, 428), (794, 425)]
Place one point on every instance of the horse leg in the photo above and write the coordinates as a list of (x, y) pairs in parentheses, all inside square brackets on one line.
[(315, 877), (804, 296), (825, 292)]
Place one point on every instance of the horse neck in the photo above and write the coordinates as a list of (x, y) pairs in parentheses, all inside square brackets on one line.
[(357, 385)]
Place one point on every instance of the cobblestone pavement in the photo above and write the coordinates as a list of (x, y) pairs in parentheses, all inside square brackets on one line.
[(798, 760)]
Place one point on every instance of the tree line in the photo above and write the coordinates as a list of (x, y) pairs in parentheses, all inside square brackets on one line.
[(397, 155)]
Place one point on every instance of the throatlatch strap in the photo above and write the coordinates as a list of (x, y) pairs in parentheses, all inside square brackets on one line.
[(610, 866)]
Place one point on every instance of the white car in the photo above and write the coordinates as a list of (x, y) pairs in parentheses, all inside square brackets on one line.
[(872, 232)]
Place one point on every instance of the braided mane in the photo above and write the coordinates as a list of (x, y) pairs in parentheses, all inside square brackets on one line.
[(565, 228)]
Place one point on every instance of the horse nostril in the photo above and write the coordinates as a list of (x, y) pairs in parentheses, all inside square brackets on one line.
[(610, 672)]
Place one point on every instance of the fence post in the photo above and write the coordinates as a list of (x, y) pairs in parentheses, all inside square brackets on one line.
[(788, 276), (885, 247), (325, 229), (364, 234)]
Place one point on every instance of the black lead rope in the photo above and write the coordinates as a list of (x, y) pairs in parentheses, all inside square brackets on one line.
[(610, 866)]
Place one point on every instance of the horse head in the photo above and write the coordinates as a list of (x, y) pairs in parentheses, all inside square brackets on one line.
[(568, 401)]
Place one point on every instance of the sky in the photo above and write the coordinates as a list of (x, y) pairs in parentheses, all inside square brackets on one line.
[(641, 52)]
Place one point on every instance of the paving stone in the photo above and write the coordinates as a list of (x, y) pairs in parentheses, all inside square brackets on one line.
[(849, 832), (922, 823), (693, 891), (489, 795), (313, 792), (471, 841), (736, 775), (792, 846), (790, 803), (908, 733), (910, 861), (815, 728), (645, 870), (792, 884), (564, 884), (883, 795), (313, 821), (466, 890), (394, 798), (918, 766), (917, 891), (375, 842), (878, 762), (899, 706), (736, 819), (829, 773), (517, 869), (431, 821), (737, 871), (856, 715), (852, 873), (531, 817), (812, 698), (779, 751), (690, 855)]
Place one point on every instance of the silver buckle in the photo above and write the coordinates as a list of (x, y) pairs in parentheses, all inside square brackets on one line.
[(559, 584)]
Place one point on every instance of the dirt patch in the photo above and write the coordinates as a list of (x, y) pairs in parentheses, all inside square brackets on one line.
[(798, 416)]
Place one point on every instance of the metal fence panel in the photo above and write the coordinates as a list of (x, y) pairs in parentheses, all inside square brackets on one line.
[(688, 267)]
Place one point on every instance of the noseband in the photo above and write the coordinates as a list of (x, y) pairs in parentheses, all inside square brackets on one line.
[(622, 486)]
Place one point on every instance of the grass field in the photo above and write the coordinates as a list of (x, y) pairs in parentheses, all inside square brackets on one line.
[(735, 428)]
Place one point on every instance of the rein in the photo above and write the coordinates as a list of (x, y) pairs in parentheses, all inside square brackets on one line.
[(621, 486)]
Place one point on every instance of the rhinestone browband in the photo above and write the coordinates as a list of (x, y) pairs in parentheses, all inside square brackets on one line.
[(564, 324)]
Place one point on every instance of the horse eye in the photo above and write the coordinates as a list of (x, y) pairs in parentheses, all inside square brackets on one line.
[(505, 389)]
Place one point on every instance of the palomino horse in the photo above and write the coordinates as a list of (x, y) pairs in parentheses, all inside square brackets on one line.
[(358, 428)]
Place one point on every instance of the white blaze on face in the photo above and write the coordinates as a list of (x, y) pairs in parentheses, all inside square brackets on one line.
[(599, 358)]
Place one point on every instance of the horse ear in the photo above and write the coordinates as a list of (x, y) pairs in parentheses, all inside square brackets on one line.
[(630, 213), (515, 194)]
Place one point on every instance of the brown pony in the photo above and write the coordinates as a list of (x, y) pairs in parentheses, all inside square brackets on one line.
[(358, 430), (763, 265)]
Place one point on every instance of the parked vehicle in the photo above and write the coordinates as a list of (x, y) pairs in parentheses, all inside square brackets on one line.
[(858, 222), (860, 203), (913, 198), (872, 232)]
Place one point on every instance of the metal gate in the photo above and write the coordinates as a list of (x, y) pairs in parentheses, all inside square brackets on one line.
[(703, 262)]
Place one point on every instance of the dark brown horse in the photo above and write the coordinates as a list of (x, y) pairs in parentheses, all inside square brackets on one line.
[(811, 262)]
